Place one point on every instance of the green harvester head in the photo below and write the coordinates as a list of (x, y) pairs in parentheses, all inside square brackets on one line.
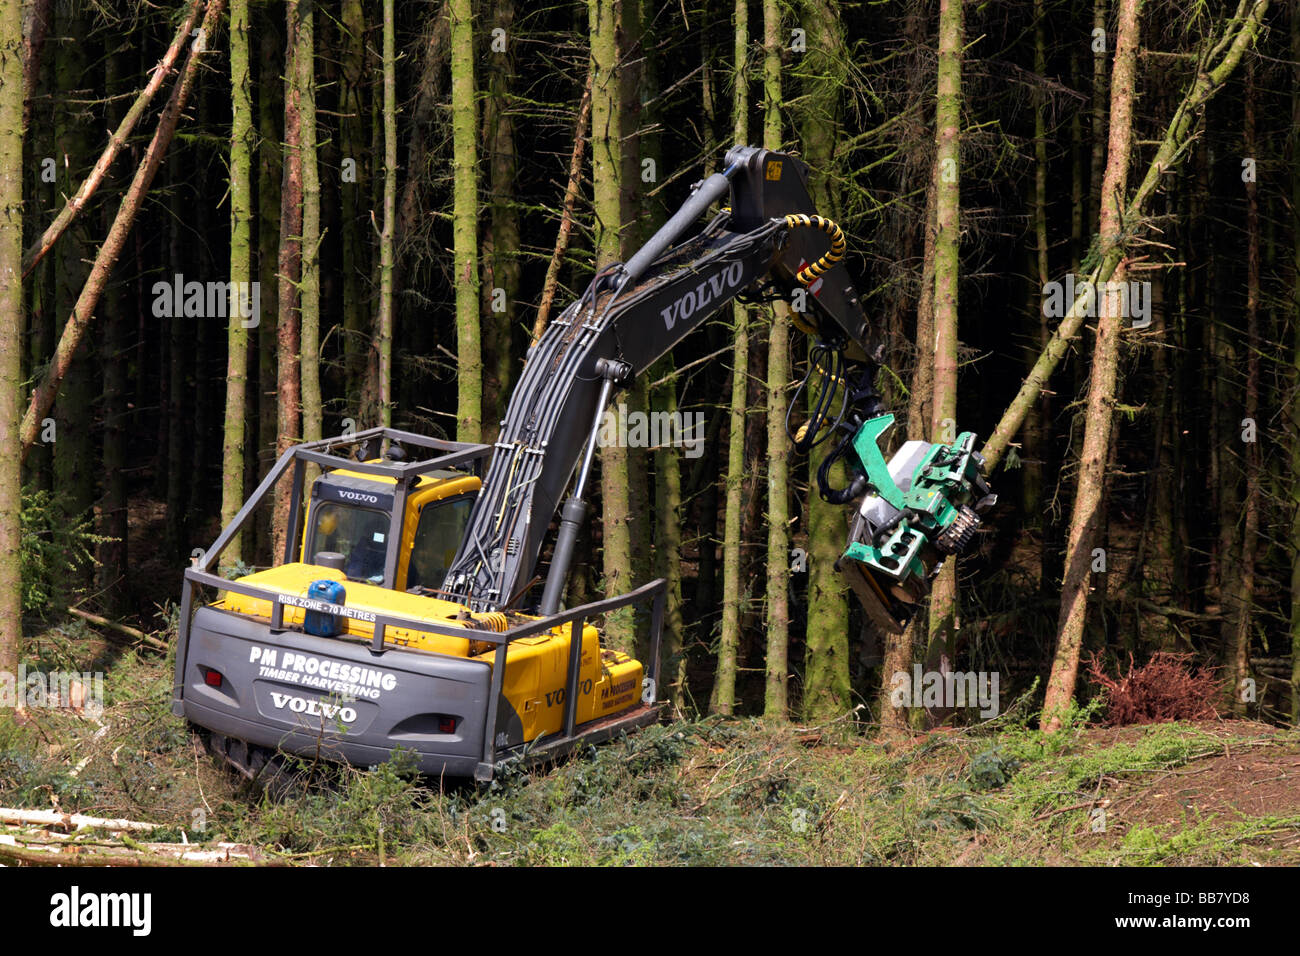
[(921, 506)]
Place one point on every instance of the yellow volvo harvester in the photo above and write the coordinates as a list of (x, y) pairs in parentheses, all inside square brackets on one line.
[(393, 619), (348, 649)]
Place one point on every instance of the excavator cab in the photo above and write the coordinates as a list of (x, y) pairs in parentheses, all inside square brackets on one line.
[(350, 522)]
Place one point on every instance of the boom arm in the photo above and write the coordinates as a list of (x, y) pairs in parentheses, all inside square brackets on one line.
[(768, 243), (629, 316)]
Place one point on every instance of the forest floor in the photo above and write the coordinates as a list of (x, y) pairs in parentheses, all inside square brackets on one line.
[(690, 792)]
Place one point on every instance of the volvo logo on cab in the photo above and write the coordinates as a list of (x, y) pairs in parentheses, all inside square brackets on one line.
[(358, 496)]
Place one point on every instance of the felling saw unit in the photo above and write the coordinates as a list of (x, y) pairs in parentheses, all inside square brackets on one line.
[(402, 612)]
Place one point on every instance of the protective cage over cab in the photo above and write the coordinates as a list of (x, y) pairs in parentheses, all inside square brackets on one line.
[(348, 650)]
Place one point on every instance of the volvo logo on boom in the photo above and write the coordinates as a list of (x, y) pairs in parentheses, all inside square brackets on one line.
[(706, 292)]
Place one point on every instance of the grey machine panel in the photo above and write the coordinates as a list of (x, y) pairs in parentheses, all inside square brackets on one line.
[(335, 698)]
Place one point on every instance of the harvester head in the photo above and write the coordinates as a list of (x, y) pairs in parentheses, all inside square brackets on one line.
[(923, 505)]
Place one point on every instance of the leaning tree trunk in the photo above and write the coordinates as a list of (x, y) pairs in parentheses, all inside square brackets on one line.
[(74, 330), (1239, 33)]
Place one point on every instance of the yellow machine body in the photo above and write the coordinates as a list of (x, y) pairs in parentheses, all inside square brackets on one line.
[(536, 669)]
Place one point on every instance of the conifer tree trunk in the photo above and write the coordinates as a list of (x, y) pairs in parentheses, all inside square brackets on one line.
[(606, 176), (309, 288), (241, 220), (384, 322), (464, 131), (1086, 514), (943, 421), (826, 662), (106, 257), (778, 378), (112, 580), (1238, 35), (636, 221), (269, 107), (1101, 48), (11, 327), (288, 332), (724, 687), (501, 244), (1240, 580), (668, 548), (74, 460), (1037, 439), (1294, 495), (355, 228)]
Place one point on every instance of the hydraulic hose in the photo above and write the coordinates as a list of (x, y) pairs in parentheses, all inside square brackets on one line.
[(839, 245)]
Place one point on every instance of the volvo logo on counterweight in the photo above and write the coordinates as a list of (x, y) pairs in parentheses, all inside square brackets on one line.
[(706, 292)]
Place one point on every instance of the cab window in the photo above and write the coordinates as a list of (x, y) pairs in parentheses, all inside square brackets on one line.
[(359, 534), (437, 537)]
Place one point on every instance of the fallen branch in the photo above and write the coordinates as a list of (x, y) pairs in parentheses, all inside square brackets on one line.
[(552, 280), (48, 858), (130, 632)]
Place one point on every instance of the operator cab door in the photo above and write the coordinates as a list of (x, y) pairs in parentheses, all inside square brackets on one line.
[(439, 529)]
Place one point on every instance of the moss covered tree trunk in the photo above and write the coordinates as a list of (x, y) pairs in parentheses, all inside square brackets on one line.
[(241, 222), (778, 443), (724, 688), (11, 329), (309, 288), (819, 114), (384, 321), (606, 175), (464, 134)]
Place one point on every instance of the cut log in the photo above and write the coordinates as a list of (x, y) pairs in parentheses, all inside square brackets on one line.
[(53, 818)]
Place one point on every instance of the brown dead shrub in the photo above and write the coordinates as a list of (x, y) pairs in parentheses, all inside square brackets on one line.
[(1165, 688)]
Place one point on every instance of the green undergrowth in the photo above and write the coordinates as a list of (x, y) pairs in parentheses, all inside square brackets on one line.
[(705, 792)]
